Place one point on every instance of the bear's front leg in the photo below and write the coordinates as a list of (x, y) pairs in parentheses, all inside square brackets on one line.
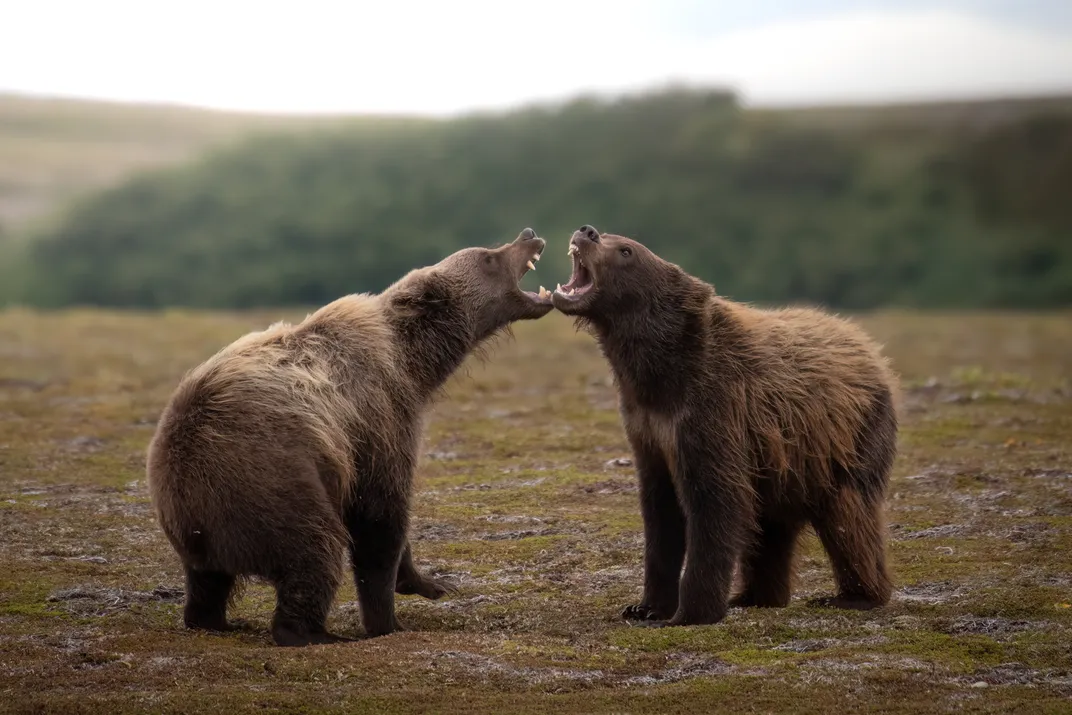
[(717, 502), (664, 537)]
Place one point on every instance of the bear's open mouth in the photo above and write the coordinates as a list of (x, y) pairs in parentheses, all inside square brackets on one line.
[(544, 296), (581, 280)]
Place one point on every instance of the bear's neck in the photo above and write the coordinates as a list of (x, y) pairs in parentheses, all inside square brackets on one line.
[(433, 346)]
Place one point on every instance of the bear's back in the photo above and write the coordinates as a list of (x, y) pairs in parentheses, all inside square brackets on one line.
[(323, 379), (810, 381)]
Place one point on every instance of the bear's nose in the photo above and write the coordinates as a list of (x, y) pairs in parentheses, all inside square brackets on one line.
[(589, 232), (527, 235)]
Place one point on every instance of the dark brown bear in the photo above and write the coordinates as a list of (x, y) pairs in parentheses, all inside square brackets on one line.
[(296, 443), (746, 425)]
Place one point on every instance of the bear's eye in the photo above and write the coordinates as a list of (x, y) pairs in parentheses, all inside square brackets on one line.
[(488, 259), (626, 252)]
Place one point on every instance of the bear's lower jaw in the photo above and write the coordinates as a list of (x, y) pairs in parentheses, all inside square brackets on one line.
[(573, 293), (577, 304), (541, 298), (536, 306)]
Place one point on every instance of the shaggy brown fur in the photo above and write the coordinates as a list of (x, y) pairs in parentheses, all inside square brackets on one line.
[(746, 425), (296, 443)]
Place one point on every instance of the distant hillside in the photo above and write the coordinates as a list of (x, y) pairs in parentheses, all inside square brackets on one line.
[(972, 116), (54, 149), (958, 205)]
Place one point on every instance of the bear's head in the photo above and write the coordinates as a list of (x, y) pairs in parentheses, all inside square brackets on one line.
[(615, 276), (475, 290)]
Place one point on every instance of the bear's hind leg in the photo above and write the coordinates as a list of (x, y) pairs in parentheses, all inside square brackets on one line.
[(411, 581), (207, 595), (307, 569), (852, 530), (304, 595), (377, 542), (767, 566)]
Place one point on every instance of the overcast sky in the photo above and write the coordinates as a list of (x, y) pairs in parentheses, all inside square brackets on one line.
[(442, 56)]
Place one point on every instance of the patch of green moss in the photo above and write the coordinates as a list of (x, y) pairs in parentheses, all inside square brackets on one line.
[(976, 376), (726, 636), (930, 560), (1020, 601), (1045, 648), (936, 432), (760, 657), (963, 653), (503, 551), (32, 610)]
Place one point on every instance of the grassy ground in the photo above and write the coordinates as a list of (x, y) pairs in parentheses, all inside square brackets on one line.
[(526, 503)]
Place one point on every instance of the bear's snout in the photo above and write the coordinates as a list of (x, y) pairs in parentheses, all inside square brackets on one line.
[(589, 232)]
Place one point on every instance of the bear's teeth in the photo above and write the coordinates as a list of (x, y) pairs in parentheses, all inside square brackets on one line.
[(571, 291), (536, 257), (531, 266), (543, 292), (572, 249), (558, 288)]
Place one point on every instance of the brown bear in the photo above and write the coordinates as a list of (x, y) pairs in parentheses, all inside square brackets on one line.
[(746, 425), (298, 442)]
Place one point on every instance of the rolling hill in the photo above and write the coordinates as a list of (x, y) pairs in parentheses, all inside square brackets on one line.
[(955, 205)]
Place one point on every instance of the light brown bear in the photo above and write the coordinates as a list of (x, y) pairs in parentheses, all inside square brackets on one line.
[(746, 425), (297, 443)]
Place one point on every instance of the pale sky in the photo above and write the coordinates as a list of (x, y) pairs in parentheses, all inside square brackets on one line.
[(444, 57)]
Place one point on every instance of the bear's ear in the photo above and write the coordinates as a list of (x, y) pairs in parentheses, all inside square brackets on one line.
[(424, 293)]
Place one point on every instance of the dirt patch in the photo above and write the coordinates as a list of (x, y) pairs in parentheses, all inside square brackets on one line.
[(807, 645), (434, 532), (610, 486), (87, 559), (485, 487), (831, 670), (515, 535), (684, 667), (1013, 674), (88, 600), (1033, 533), (678, 667), (992, 626), (615, 575), (517, 519), (84, 444), (484, 667), (13, 383), (931, 474), (936, 592), (1056, 474), (936, 532)]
